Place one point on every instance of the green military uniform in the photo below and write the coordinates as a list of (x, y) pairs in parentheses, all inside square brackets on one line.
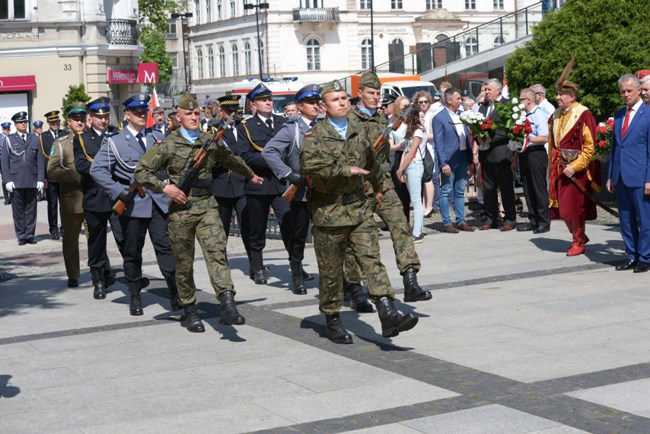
[(201, 220)]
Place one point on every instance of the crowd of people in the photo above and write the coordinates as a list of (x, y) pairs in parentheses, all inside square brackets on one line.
[(331, 163)]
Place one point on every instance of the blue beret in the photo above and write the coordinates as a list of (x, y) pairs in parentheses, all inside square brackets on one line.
[(309, 91), (38, 124), (138, 101), (259, 91), (5, 125), (100, 105)]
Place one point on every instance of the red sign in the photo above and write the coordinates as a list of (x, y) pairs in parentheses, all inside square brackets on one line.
[(12, 84), (148, 72), (122, 76)]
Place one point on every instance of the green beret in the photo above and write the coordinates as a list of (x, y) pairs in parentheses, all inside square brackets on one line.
[(332, 86), (188, 102), (370, 79), (76, 108)]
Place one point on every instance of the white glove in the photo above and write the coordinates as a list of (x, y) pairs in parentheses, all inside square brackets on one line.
[(10, 187), (40, 187)]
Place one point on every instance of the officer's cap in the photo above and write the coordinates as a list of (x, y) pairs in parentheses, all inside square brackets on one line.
[(5, 125), (100, 106), (188, 102), (38, 124), (387, 100), (138, 102), (369, 79), (332, 86), (19, 117), (259, 91), (52, 116), (229, 102), (307, 92), (464, 92), (76, 108)]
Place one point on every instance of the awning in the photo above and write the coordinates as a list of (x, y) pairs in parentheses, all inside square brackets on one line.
[(14, 84)]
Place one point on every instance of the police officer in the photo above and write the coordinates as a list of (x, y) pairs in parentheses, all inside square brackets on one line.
[(282, 155), (194, 215), (61, 170), (38, 127), (252, 135), (52, 188), (112, 169), (6, 130), (337, 156), (97, 205), (23, 168)]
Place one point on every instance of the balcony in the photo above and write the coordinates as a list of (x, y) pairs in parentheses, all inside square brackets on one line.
[(122, 32), (316, 15)]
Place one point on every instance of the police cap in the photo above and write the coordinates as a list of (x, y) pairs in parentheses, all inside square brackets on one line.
[(259, 91), (138, 102), (100, 106), (229, 102), (311, 91), (19, 117), (387, 100), (369, 79), (5, 125), (38, 124)]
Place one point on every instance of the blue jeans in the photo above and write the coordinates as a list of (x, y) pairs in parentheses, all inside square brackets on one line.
[(414, 173), (458, 181)]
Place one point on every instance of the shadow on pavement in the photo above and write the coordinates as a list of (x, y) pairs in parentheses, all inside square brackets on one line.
[(7, 391), (25, 293), (606, 253)]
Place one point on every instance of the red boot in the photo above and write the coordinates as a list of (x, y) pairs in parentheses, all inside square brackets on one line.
[(579, 240)]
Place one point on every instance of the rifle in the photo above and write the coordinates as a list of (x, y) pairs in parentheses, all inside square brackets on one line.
[(291, 191), (127, 196), (379, 142)]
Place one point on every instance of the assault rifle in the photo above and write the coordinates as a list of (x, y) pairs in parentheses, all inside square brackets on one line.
[(381, 140), (291, 191)]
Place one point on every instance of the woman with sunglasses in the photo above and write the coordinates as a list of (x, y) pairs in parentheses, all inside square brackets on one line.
[(423, 101)]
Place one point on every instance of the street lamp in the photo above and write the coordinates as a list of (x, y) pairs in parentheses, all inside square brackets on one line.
[(186, 74), (257, 7)]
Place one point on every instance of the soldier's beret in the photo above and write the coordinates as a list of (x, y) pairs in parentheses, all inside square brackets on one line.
[(188, 102), (157, 109), (230, 102), (387, 100), (138, 101), (370, 79), (567, 88), (259, 91), (76, 108), (309, 91), (5, 125), (332, 86), (52, 116), (643, 75), (100, 106), (38, 124), (19, 117)]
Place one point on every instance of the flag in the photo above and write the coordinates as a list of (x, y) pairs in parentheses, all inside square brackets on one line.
[(152, 105)]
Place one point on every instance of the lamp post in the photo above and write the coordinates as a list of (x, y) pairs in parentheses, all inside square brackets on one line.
[(186, 74), (257, 6)]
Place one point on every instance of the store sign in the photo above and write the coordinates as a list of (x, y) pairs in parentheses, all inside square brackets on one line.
[(148, 72), (15, 84), (122, 76)]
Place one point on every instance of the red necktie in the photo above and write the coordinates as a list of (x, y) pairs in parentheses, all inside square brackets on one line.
[(626, 122)]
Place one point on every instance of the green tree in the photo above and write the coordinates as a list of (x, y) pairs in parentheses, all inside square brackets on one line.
[(609, 38), (75, 94), (154, 14)]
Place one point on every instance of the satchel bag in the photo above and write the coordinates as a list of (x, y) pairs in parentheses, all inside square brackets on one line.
[(427, 160)]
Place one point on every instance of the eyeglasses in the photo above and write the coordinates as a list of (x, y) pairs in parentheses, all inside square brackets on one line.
[(423, 101), (524, 99), (539, 93)]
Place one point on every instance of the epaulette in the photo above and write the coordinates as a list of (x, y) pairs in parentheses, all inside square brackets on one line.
[(244, 121)]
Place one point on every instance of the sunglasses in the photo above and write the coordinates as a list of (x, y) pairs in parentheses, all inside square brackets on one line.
[(424, 101)]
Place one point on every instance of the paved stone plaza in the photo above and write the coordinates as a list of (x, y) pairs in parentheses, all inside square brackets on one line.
[(517, 339)]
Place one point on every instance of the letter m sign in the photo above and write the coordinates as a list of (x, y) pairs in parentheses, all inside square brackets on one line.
[(148, 72)]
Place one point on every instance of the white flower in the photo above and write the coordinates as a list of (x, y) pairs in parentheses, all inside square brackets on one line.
[(515, 116), (519, 122), (521, 106), (515, 101), (515, 109)]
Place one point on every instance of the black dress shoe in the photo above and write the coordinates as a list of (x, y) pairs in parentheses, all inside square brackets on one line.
[(642, 267), (31, 241), (55, 235), (526, 228), (22, 242), (73, 283), (541, 229), (627, 265)]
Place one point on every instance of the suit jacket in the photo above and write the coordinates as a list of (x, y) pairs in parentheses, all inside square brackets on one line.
[(282, 152), (630, 156), (225, 182), (252, 137), (498, 152), (22, 161), (61, 169), (113, 169), (95, 198), (160, 133), (447, 141)]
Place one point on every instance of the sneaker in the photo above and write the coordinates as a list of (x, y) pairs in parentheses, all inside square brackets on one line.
[(418, 239)]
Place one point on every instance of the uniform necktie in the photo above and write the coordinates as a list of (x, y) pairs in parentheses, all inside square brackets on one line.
[(312, 123), (626, 122), (269, 123), (22, 136), (139, 137)]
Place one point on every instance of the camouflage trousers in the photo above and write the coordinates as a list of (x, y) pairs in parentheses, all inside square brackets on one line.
[(392, 214), (184, 228), (330, 245)]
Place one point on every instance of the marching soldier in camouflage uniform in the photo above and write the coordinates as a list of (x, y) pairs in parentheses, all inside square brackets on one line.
[(201, 220), (365, 117), (337, 155)]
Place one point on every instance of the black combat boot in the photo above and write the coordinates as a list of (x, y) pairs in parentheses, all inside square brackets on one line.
[(192, 320), (392, 321), (135, 307), (305, 275), (258, 270), (358, 299), (335, 330), (99, 293), (297, 284), (229, 313), (174, 299), (412, 291), (109, 277)]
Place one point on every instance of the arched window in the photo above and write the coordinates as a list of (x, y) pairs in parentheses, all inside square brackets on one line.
[(441, 38), (366, 54), (210, 62), (313, 55), (235, 59), (499, 41), (247, 58), (222, 61), (199, 62), (471, 46)]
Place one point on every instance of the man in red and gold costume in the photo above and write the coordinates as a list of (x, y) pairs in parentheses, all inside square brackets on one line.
[(572, 134)]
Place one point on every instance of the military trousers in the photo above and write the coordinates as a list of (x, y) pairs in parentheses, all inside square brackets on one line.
[(70, 243), (330, 244), (23, 207), (205, 226)]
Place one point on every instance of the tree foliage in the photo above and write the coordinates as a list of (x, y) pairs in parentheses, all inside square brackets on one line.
[(75, 94), (154, 15), (609, 38)]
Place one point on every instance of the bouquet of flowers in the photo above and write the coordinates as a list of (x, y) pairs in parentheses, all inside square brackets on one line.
[(478, 124), (603, 139), (512, 118)]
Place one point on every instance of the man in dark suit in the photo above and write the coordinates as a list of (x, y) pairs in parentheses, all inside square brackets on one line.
[(496, 162), (160, 129), (252, 135), (23, 170), (97, 205), (629, 174), (52, 188)]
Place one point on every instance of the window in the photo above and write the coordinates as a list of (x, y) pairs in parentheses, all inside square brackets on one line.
[(219, 9), (396, 4), (262, 56), (199, 62), (174, 59), (366, 54), (313, 55), (197, 11), (233, 8), (235, 59), (311, 4), (208, 10), (222, 61), (247, 58), (210, 62), (498, 5), (471, 46), (12, 10), (470, 5), (364, 4), (441, 37), (434, 4), (171, 30), (499, 41)]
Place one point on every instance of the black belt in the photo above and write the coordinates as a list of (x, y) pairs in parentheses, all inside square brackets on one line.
[(345, 199), (200, 192)]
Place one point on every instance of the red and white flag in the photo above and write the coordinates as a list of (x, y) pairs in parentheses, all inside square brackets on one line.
[(152, 105)]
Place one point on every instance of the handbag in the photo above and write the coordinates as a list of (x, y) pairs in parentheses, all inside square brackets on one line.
[(427, 161)]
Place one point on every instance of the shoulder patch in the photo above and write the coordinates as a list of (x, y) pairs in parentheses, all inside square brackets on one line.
[(52, 150)]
